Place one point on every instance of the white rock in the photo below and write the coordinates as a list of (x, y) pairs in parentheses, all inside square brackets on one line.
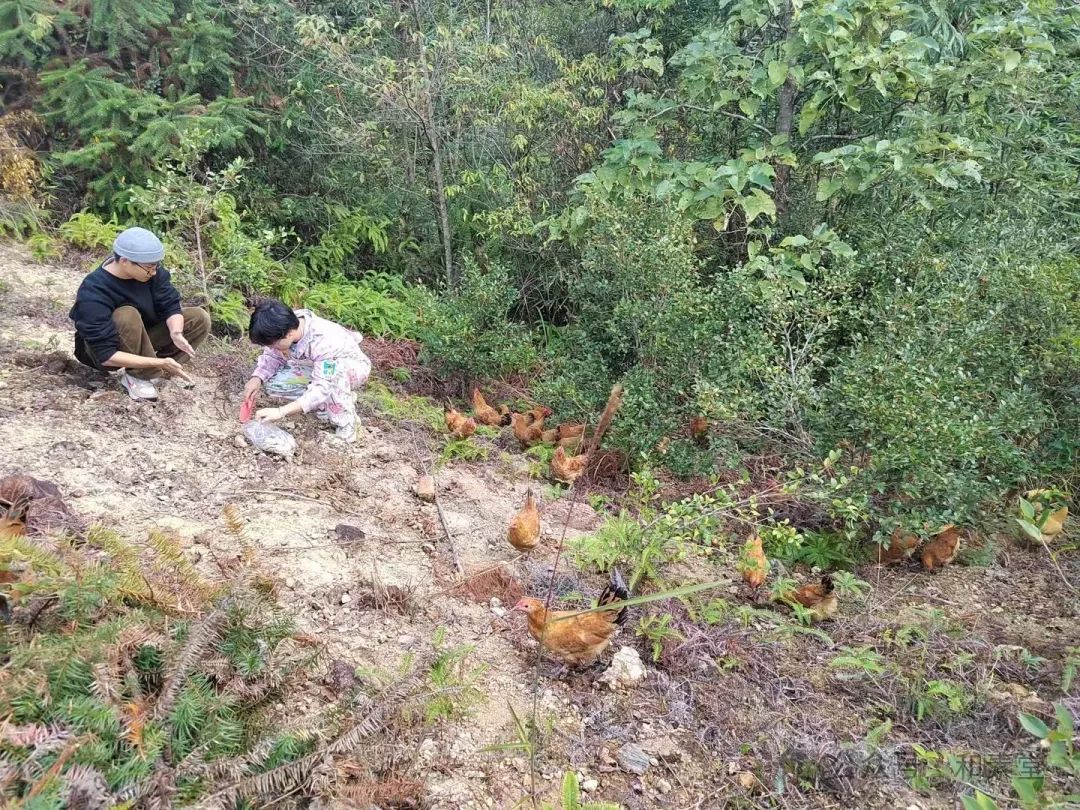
[(498, 611), (663, 785), (495, 602), (626, 669), (290, 583), (345, 599), (589, 785)]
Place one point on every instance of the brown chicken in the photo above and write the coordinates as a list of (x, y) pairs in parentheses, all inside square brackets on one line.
[(565, 435), (901, 546), (524, 534), (753, 564), (573, 637), (568, 469), (942, 549), (1042, 500), (13, 518), (820, 600), (699, 430), (459, 424), (12, 524), (527, 430), (485, 414)]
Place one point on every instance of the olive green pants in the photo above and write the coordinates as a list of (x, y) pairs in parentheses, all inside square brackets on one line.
[(153, 342)]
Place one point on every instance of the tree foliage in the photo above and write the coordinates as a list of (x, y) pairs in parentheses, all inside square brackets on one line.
[(821, 224)]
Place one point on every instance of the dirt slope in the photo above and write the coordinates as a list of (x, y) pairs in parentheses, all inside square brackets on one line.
[(173, 465)]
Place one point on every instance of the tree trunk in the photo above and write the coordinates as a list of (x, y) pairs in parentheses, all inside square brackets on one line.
[(785, 116), (442, 208)]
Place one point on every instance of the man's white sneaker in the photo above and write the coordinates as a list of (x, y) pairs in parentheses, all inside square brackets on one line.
[(140, 390)]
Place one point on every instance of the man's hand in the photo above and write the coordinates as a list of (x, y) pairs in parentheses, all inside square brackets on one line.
[(181, 342), (251, 390), (269, 414), (173, 369)]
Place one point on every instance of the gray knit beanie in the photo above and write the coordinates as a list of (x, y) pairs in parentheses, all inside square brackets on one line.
[(139, 245)]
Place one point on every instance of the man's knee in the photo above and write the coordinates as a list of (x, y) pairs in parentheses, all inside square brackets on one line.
[(129, 327), (196, 325)]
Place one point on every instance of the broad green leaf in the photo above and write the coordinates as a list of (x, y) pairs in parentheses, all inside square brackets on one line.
[(827, 187), (1011, 59), (1030, 529), (778, 72), (749, 105), (761, 174), (980, 801), (653, 63), (1065, 721), (1034, 726), (798, 240), (808, 116), (1027, 509), (756, 204), (1025, 787)]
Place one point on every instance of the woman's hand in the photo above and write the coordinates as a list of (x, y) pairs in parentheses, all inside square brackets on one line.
[(251, 390), (269, 414)]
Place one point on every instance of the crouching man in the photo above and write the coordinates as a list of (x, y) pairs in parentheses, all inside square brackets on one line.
[(128, 317)]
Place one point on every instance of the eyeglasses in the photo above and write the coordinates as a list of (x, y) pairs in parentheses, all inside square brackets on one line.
[(148, 268)]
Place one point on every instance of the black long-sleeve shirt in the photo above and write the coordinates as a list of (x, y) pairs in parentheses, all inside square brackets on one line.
[(101, 294)]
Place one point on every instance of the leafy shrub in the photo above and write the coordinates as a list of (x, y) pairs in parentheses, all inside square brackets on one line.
[(469, 333), (948, 394)]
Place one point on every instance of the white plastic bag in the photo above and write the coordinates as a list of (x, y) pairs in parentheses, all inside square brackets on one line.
[(270, 438)]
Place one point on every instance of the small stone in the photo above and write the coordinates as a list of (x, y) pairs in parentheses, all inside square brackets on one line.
[(632, 759), (747, 781), (406, 641), (290, 583), (340, 676), (345, 599), (664, 786), (589, 785), (626, 669), (498, 611), (239, 440), (347, 534), (425, 489), (495, 602)]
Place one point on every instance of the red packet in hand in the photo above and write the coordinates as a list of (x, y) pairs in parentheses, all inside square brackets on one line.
[(246, 410)]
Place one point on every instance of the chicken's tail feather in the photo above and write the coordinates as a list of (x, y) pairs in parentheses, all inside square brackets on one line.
[(613, 403), (615, 591), (15, 510), (827, 586)]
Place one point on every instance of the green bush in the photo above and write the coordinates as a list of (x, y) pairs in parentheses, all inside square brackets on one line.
[(469, 333), (955, 394)]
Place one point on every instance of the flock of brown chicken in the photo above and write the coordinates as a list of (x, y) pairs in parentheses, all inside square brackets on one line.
[(572, 452), (573, 637), (577, 638)]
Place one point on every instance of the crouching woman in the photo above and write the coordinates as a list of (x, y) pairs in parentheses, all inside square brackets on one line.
[(315, 364)]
